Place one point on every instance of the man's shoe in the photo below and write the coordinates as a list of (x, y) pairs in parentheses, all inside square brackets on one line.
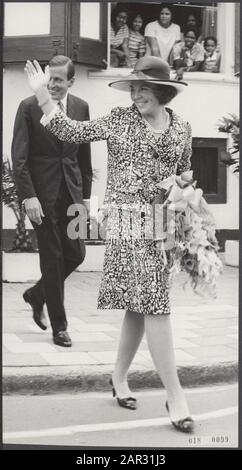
[(38, 312), (62, 339)]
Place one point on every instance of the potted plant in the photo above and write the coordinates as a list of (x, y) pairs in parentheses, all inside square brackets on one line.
[(231, 125), (20, 263)]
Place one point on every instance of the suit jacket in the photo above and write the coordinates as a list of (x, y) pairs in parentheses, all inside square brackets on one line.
[(40, 159)]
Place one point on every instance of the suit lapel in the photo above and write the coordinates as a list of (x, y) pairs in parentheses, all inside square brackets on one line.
[(74, 109)]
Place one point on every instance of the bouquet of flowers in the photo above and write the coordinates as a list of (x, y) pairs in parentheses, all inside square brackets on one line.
[(196, 247)]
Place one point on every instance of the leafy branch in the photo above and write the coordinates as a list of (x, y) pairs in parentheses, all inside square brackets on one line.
[(11, 200)]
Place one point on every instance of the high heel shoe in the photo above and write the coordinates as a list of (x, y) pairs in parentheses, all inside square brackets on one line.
[(183, 425), (129, 402)]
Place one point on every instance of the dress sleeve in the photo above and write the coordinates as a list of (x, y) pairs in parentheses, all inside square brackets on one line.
[(149, 30), (178, 33), (184, 162), (79, 132)]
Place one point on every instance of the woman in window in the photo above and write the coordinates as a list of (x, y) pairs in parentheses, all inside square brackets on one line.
[(212, 56), (119, 36), (162, 34), (136, 44), (147, 142), (188, 55)]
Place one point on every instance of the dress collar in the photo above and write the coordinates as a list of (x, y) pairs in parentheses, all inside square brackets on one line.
[(146, 134)]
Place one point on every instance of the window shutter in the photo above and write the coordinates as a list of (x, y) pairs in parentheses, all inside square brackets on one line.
[(86, 50)]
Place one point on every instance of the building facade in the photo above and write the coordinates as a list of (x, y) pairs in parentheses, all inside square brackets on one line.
[(82, 31)]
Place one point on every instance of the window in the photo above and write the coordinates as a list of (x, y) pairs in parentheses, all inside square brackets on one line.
[(208, 168), (89, 33), (210, 21), (42, 30), (38, 15), (81, 29), (39, 35), (90, 20)]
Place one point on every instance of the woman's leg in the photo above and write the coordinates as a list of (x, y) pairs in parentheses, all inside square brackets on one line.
[(131, 335), (159, 338)]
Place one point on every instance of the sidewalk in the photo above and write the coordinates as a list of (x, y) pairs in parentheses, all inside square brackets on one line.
[(205, 336)]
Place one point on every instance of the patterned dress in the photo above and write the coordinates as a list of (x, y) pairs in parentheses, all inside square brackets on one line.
[(134, 275)]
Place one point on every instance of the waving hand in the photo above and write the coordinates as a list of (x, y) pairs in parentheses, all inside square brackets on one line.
[(37, 79)]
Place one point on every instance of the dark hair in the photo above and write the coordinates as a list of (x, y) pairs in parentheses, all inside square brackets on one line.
[(210, 38), (194, 16), (60, 60), (197, 19), (194, 30), (132, 18), (116, 11), (164, 93), (166, 5)]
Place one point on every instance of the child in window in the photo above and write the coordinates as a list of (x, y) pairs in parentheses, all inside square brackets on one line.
[(188, 55), (136, 43), (212, 56)]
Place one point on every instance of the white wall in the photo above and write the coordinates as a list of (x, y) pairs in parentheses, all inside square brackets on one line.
[(203, 104)]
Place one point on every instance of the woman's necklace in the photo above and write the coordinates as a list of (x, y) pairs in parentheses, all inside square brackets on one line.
[(158, 132)]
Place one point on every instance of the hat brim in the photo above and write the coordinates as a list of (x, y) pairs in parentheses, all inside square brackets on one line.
[(124, 84)]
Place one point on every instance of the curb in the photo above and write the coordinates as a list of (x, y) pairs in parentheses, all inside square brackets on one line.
[(46, 380)]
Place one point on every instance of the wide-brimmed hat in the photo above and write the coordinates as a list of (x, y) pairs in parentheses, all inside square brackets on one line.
[(149, 69)]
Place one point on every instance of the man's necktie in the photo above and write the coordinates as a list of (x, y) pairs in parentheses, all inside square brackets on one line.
[(61, 106)]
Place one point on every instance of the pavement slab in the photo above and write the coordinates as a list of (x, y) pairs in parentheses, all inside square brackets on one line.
[(205, 337)]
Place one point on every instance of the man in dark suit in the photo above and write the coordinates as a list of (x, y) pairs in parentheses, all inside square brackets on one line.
[(50, 176)]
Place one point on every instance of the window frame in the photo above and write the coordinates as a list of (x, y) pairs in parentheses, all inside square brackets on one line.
[(89, 51), (41, 47), (225, 18), (237, 39), (221, 144)]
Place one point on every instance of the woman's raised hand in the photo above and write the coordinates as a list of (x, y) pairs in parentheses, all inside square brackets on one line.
[(37, 79)]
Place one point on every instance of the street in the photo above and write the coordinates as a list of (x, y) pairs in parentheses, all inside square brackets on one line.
[(95, 419)]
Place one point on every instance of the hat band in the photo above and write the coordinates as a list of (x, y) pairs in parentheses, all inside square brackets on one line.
[(151, 76)]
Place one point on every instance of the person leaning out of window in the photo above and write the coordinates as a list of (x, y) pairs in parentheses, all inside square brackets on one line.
[(212, 56), (119, 36), (162, 34), (136, 44), (188, 55)]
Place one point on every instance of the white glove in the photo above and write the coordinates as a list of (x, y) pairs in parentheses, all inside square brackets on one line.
[(37, 79)]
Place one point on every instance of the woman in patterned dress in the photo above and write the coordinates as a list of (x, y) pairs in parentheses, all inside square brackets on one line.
[(147, 142)]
